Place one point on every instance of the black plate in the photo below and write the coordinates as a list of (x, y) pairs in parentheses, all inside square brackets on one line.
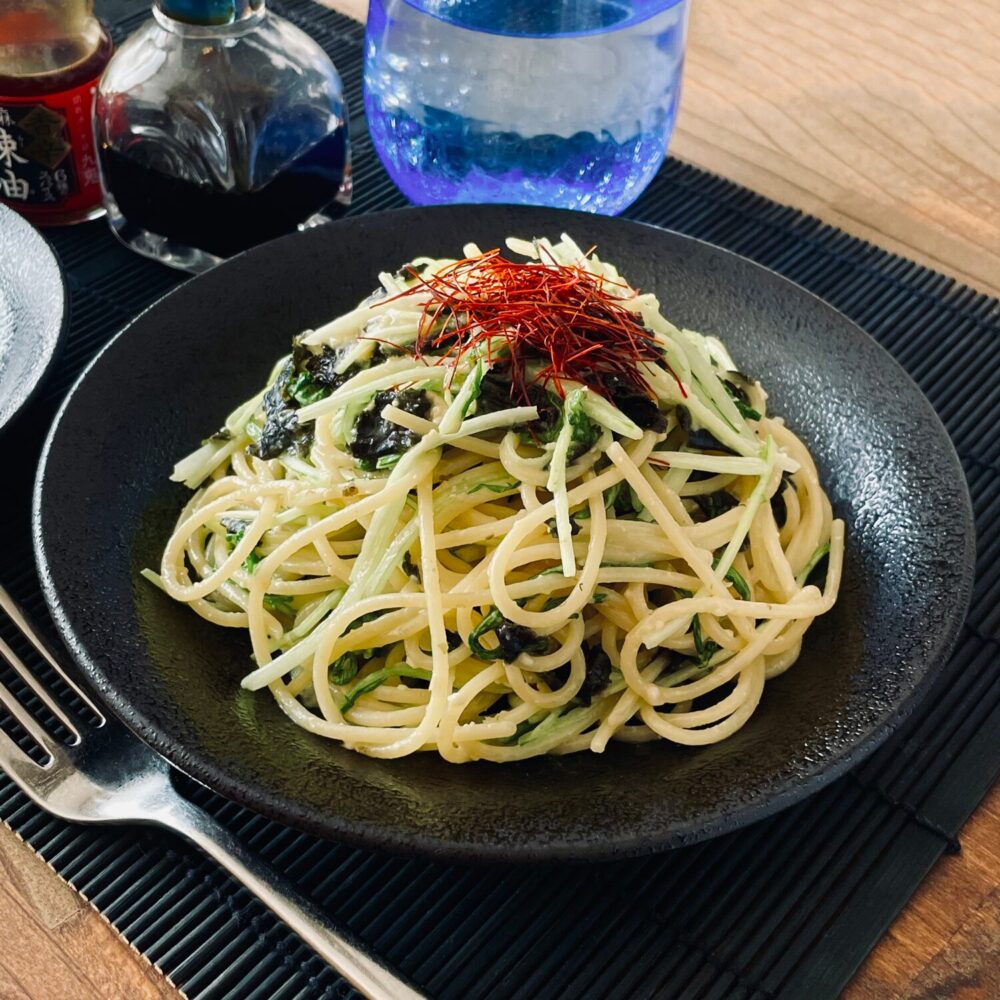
[(104, 507), (32, 311)]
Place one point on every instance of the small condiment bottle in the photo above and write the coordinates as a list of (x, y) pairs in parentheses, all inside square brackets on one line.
[(220, 126), (51, 55)]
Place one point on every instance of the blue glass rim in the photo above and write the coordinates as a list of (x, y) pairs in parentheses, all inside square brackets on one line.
[(633, 12)]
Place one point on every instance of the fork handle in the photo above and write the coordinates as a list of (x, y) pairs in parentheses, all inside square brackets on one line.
[(358, 966)]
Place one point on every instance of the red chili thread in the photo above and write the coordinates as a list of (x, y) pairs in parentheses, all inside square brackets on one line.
[(578, 323)]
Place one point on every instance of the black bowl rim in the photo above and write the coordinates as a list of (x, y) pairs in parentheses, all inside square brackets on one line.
[(369, 836)]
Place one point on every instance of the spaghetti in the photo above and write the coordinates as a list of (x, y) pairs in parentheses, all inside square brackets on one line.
[(504, 508)]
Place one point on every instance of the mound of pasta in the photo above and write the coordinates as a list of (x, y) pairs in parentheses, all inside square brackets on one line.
[(505, 508)]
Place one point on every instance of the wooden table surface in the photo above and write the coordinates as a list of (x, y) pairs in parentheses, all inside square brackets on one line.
[(879, 116)]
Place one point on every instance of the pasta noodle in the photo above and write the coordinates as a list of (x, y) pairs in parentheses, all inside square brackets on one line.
[(505, 508)]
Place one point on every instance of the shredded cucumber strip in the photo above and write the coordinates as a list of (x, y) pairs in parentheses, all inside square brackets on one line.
[(740, 532), (608, 415), (814, 561), (556, 484), (698, 461), (382, 551)]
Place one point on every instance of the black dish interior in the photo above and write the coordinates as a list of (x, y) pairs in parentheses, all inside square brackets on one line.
[(104, 507)]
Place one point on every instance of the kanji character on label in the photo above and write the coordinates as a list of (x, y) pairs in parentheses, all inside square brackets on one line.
[(8, 150), (14, 187), (45, 186)]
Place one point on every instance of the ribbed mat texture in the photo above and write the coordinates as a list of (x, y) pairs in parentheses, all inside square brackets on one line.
[(787, 908)]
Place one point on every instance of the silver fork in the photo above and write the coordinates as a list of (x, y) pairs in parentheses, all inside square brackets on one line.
[(106, 774)]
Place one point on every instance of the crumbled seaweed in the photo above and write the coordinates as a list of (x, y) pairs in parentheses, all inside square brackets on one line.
[(637, 406), (494, 392), (275, 399), (545, 427), (222, 435), (574, 527), (595, 680), (453, 638), (598, 674), (322, 368), (778, 506), (282, 432), (497, 393), (502, 704), (376, 438), (698, 437), (512, 639), (410, 568), (714, 504)]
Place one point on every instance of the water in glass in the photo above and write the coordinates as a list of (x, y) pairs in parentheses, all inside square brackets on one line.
[(569, 103)]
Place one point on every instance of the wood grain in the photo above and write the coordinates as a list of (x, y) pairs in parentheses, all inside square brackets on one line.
[(879, 116), (946, 942), (55, 945)]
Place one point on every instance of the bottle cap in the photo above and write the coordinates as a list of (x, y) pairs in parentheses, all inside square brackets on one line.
[(209, 11)]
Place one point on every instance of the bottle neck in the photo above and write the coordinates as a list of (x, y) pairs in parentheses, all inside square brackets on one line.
[(210, 13)]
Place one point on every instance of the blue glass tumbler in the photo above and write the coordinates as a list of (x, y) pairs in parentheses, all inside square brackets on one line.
[(569, 103)]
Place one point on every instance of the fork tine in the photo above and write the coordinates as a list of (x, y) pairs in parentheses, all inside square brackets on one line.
[(25, 773), (22, 624), (29, 678), (50, 745)]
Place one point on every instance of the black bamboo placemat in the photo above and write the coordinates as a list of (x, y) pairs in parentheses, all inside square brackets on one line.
[(786, 908)]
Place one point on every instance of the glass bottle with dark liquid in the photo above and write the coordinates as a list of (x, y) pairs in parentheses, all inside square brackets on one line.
[(220, 126), (51, 54)]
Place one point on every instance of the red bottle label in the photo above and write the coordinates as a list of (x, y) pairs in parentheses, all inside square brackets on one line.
[(48, 164)]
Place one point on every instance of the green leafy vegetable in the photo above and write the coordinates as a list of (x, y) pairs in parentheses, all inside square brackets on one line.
[(814, 560), (512, 640), (281, 603), (706, 648), (496, 487), (739, 584), (736, 384), (364, 619), (345, 668), (585, 431), (747, 412), (379, 677), (235, 530), (304, 390), (736, 579)]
